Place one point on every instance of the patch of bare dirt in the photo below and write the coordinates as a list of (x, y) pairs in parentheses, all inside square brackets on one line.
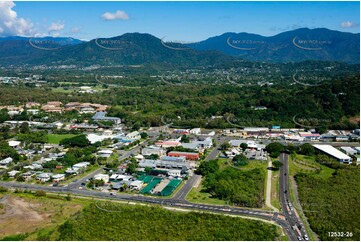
[(19, 216)]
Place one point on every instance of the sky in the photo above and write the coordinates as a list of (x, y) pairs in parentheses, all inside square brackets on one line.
[(175, 21)]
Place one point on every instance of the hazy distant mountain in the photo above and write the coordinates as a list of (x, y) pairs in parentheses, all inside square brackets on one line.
[(291, 46), (227, 49)]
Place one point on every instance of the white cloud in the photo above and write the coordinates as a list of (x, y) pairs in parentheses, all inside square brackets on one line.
[(75, 30), (56, 26), (118, 15), (11, 24), (349, 24)]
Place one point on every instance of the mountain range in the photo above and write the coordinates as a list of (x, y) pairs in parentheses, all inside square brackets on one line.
[(226, 49)]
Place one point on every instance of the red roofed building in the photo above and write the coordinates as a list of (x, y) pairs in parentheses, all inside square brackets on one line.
[(188, 155)]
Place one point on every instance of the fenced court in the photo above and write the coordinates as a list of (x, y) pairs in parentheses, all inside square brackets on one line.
[(151, 185), (170, 187)]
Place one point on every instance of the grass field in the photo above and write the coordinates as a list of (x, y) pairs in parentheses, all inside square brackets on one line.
[(196, 195), (275, 200), (56, 138)]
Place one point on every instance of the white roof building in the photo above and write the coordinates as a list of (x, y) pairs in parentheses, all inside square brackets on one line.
[(335, 153), (6, 161), (13, 143), (348, 150), (103, 177)]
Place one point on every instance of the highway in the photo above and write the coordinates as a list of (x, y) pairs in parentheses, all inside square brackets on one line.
[(294, 223)]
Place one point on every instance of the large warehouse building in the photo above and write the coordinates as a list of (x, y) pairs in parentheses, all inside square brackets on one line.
[(335, 153)]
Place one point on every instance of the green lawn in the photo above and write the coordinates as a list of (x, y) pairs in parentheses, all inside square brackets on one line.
[(56, 138), (197, 196)]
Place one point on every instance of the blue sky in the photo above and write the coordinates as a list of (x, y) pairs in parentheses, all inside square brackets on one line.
[(178, 21)]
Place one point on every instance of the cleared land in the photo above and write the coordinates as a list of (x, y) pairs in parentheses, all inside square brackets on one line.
[(27, 217)]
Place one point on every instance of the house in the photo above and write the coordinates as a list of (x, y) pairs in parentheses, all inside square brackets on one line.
[(105, 153), (58, 177), (153, 150), (195, 131), (136, 185), (103, 177), (168, 143), (174, 172), (309, 135), (33, 111), (27, 175), (188, 155), (14, 143), (260, 108), (101, 116), (54, 103), (44, 177), (133, 136), (81, 165), (12, 173), (342, 138), (5, 162), (334, 153)]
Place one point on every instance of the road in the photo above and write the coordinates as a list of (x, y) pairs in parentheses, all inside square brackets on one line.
[(215, 152), (287, 207), (188, 185)]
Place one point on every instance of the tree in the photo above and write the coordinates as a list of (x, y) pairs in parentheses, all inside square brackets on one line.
[(154, 156), (306, 149), (207, 167), (184, 139), (40, 193), (240, 160), (225, 146), (20, 178), (276, 165), (274, 149), (24, 128), (147, 170), (143, 135), (244, 146), (79, 141)]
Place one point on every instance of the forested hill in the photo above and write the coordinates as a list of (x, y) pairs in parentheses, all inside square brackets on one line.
[(290, 46), (127, 49), (225, 50)]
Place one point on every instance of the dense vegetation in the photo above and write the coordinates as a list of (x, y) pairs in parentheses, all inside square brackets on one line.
[(330, 105), (325, 200), (154, 223), (244, 188)]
